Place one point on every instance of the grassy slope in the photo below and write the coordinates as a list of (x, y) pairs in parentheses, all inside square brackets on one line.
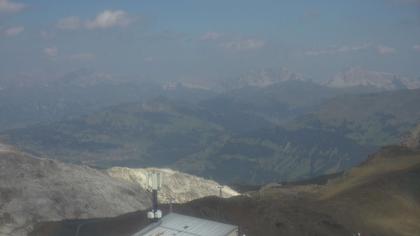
[(213, 137), (377, 119), (279, 155), (161, 133), (384, 193), (133, 134)]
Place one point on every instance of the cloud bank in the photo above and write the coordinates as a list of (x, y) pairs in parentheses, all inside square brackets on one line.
[(13, 31), (244, 44), (333, 50), (51, 51), (104, 20), (211, 36), (11, 7), (385, 50), (108, 19)]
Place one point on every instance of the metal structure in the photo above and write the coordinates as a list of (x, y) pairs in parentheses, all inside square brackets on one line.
[(180, 225), (220, 187), (171, 202), (154, 183)]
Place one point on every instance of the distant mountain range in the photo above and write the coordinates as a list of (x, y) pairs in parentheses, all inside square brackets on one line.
[(358, 77), (354, 77), (262, 78), (30, 100), (197, 139), (276, 125), (77, 94)]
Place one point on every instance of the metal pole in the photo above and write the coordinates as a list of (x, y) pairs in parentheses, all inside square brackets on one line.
[(154, 200), (220, 191), (155, 203), (171, 199)]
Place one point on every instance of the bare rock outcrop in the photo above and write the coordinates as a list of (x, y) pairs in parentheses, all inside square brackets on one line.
[(34, 190), (179, 186)]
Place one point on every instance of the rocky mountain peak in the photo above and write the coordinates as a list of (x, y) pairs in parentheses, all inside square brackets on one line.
[(359, 77), (263, 78)]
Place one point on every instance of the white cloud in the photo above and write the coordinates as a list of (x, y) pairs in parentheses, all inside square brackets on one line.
[(210, 36), (69, 23), (13, 31), (103, 20), (245, 44), (385, 50), (333, 50), (108, 19), (51, 51), (11, 7), (416, 47)]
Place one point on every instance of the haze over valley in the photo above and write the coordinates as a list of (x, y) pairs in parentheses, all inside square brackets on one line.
[(279, 118)]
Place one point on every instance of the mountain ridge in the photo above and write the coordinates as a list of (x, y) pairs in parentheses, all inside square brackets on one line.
[(358, 77), (190, 139)]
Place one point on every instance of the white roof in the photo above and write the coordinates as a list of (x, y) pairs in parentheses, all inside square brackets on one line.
[(180, 225)]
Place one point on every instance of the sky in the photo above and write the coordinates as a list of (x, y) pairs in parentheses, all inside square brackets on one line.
[(207, 39)]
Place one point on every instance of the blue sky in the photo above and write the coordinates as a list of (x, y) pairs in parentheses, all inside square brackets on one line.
[(208, 39)]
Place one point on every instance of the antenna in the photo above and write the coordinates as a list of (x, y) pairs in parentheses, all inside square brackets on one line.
[(171, 201), (220, 187), (154, 183)]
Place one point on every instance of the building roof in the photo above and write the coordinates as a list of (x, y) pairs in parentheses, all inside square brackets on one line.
[(180, 225)]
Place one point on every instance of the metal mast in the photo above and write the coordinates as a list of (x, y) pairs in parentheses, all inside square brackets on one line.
[(154, 181)]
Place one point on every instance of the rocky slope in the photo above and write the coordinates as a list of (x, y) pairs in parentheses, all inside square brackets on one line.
[(33, 190), (358, 77), (177, 187)]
